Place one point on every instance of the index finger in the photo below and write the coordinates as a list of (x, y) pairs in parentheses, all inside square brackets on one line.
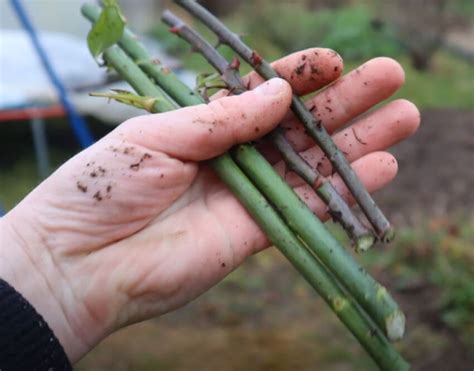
[(306, 70)]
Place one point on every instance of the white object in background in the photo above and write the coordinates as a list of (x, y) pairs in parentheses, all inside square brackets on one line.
[(23, 81), (22, 77)]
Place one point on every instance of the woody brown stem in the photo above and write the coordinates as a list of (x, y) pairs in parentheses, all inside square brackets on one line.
[(370, 294), (337, 207), (314, 127)]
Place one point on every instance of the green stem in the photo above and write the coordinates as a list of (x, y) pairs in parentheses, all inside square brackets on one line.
[(337, 207), (373, 297), (315, 128), (161, 74), (361, 326), (139, 81)]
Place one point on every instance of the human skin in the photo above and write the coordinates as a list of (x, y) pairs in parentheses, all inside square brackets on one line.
[(138, 224)]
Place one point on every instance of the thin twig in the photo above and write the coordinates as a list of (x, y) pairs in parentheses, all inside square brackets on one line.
[(314, 127), (373, 297), (337, 207)]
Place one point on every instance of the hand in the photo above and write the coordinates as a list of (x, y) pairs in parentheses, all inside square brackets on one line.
[(136, 225)]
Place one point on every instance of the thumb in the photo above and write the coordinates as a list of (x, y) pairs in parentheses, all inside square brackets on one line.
[(201, 132)]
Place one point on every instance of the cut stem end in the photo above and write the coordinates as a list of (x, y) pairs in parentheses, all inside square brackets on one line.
[(388, 235), (364, 243), (395, 324)]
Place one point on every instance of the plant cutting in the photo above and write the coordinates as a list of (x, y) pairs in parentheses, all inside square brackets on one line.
[(361, 303)]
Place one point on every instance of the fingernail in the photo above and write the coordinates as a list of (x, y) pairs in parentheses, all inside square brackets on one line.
[(271, 87)]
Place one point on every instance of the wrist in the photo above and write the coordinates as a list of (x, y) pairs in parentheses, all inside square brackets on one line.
[(28, 266)]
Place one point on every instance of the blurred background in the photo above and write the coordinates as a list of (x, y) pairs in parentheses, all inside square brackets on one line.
[(263, 316)]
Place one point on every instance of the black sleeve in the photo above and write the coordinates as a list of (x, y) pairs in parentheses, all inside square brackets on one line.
[(26, 341)]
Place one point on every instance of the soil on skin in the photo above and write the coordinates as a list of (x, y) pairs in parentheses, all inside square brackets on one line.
[(264, 317)]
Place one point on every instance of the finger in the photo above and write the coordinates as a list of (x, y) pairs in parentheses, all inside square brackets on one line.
[(201, 132), (378, 131), (306, 71), (375, 171), (350, 96)]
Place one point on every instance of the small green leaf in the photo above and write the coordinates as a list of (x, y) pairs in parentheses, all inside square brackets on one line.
[(129, 98), (107, 30), (209, 82)]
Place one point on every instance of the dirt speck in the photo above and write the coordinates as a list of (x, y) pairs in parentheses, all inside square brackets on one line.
[(81, 187), (128, 150), (315, 70), (98, 196), (135, 166), (300, 69), (145, 156)]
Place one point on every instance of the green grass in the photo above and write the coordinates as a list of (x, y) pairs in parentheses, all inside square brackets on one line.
[(448, 85)]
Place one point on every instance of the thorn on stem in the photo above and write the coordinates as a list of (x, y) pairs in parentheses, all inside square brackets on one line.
[(256, 59), (235, 63)]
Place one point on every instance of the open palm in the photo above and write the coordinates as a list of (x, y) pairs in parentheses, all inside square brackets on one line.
[(137, 224)]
